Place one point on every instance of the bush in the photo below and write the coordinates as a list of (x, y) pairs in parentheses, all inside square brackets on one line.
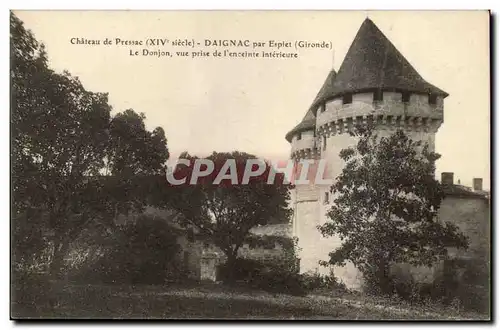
[(29, 292), (277, 279), (280, 281), (242, 270), (316, 281), (144, 252), (408, 289), (464, 283), (261, 275)]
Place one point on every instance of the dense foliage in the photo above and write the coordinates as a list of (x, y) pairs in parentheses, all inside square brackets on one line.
[(141, 252), (277, 278), (385, 207), (65, 143)]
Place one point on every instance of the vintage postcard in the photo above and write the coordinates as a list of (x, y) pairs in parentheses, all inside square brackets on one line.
[(292, 165)]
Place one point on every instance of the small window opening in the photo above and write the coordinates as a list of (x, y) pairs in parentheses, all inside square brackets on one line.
[(432, 99), (347, 99), (327, 197), (324, 143), (299, 136), (378, 95), (405, 97)]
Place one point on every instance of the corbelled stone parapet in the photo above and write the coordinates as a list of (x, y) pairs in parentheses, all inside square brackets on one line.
[(306, 153), (381, 122), (307, 142), (391, 114)]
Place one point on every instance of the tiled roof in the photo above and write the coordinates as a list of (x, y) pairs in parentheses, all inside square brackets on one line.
[(307, 123), (461, 191), (324, 91), (373, 62)]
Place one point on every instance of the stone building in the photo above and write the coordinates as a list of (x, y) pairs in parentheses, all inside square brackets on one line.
[(375, 83), (200, 258)]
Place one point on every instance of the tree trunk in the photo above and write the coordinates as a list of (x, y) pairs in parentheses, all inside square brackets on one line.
[(60, 249), (384, 280), (231, 266)]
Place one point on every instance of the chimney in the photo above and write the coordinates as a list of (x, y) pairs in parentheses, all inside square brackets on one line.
[(477, 184), (447, 178)]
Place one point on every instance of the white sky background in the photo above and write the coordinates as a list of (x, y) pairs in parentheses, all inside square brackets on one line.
[(250, 104)]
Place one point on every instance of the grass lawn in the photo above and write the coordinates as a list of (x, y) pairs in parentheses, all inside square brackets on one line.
[(192, 302)]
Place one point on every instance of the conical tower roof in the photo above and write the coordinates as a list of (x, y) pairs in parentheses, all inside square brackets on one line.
[(306, 124), (325, 90), (309, 120), (373, 62)]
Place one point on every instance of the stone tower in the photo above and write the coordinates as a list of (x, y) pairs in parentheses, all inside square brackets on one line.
[(376, 84)]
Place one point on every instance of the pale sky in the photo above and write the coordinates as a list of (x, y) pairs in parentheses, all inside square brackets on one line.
[(222, 104)]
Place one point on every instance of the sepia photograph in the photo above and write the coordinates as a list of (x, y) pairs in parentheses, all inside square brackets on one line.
[(250, 165)]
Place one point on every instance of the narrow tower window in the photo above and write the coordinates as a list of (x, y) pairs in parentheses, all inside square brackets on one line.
[(299, 136), (327, 198), (378, 95), (324, 143), (322, 108), (347, 99), (432, 99), (405, 97)]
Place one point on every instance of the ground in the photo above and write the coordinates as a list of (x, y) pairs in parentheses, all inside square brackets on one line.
[(211, 301)]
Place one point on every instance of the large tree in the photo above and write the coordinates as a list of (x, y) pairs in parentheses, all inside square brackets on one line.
[(225, 211), (135, 160), (385, 207), (28, 64), (58, 137), (72, 162)]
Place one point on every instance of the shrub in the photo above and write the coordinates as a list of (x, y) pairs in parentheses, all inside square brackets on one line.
[(144, 252), (28, 241), (264, 276), (280, 281), (276, 278), (464, 283), (29, 292), (316, 281), (242, 270), (410, 290)]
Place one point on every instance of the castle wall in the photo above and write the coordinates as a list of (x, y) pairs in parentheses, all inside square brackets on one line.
[(306, 219), (472, 216), (306, 141), (324, 245), (279, 229)]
